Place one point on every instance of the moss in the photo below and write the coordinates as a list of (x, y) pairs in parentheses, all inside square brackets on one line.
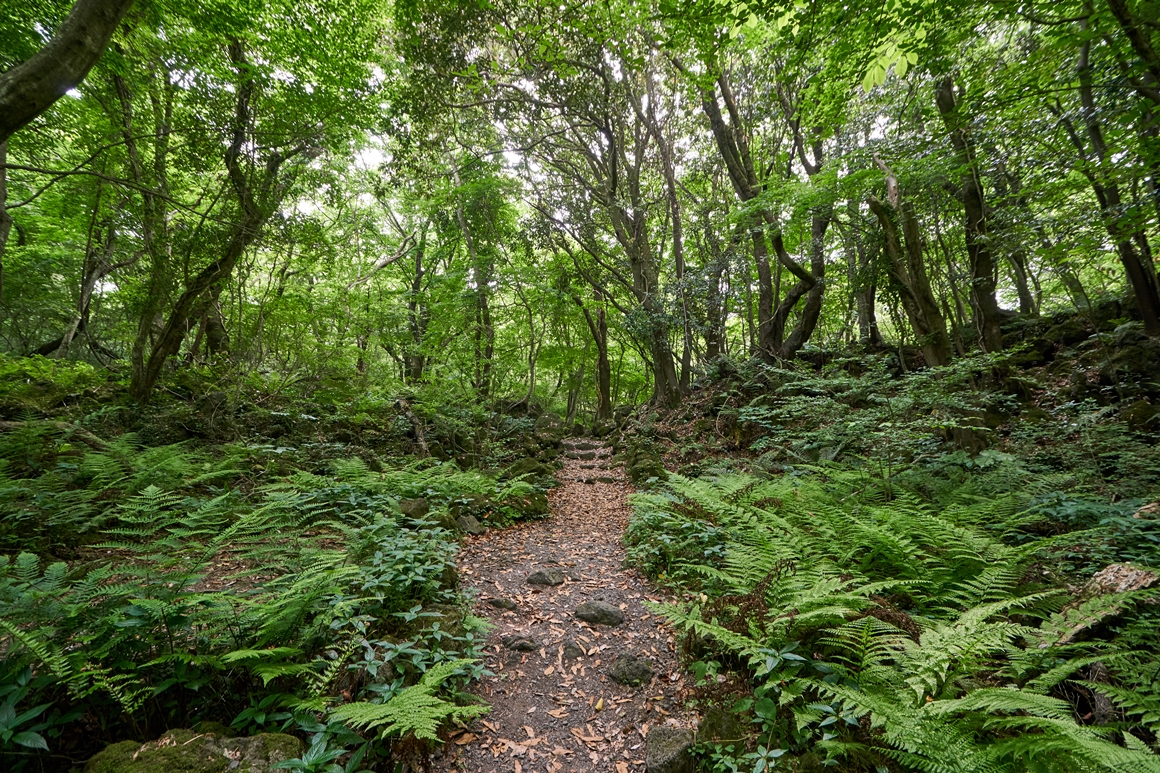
[(643, 462), (186, 751)]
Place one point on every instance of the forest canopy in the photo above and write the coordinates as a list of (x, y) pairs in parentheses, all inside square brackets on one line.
[(585, 203)]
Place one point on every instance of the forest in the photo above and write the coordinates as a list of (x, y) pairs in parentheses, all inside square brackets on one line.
[(499, 385)]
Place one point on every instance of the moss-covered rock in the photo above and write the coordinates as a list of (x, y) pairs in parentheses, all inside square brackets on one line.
[(531, 470), (642, 462), (187, 751), (550, 430), (529, 506), (667, 750)]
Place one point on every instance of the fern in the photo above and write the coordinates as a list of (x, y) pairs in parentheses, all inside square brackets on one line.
[(920, 622), (416, 711)]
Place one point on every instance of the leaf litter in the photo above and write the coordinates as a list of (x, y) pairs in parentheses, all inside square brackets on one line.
[(551, 713)]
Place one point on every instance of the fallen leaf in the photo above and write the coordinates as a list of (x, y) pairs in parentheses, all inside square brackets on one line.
[(549, 670), (531, 733), (465, 739), (622, 767), (600, 705)]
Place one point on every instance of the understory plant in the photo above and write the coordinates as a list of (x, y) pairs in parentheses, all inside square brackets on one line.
[(198, 594), (867, 629)]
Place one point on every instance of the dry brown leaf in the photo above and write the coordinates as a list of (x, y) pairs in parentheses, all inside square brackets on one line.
[(549, 670), (622, 767), (465, 739)]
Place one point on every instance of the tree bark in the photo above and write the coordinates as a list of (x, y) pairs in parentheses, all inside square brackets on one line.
[(30, 88), (5, 217), (255, 204), (417, 318), (598, 328), (1139, 268), (976, 227), (909, 271)]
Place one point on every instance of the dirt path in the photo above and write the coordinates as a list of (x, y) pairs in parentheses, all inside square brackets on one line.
[(555, 706)]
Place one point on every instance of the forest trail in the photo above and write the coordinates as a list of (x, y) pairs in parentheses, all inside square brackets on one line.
[(555, 704)]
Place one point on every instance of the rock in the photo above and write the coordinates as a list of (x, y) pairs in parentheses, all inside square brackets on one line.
[(414, 508), (185, 751), (449, 618), (643, 463), (1142, 416), (449, 577), (1138, 362), (503, 604), (445, 520), (606, 479), (1148, 512), (572, 650), (1070, 331), (1129, 334), (470, 524), (631, 670), (549, 429), (546, 577), (1118, 578), (667, 750), (1035, 415), (473, 504), (1037, 351), (520, 643), (530, 506), (721, 726), (603, 428), (534, 470), (599, 613)]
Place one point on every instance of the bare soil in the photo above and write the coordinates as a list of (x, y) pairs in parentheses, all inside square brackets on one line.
[(550, 713)]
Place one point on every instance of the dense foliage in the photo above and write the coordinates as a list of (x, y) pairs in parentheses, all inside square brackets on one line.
[(864, 294)]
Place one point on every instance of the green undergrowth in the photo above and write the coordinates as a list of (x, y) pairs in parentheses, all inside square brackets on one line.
[(145, 588), (863, 412), (937, 620)]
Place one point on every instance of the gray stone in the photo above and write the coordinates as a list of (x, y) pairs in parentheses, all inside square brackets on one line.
[(414, 508), (667, 750), (470, 524), (631, 670), (503, 604), (520, 643), (184, 751), (599, 613), (572, 650), (546, 577)]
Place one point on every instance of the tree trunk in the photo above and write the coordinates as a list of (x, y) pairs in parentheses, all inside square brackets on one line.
[(30, 88), (1141, 274), (598, 327), (976, 227), (909, 270), (417, 318), (860, 262), (253, 213), (5, 217)]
